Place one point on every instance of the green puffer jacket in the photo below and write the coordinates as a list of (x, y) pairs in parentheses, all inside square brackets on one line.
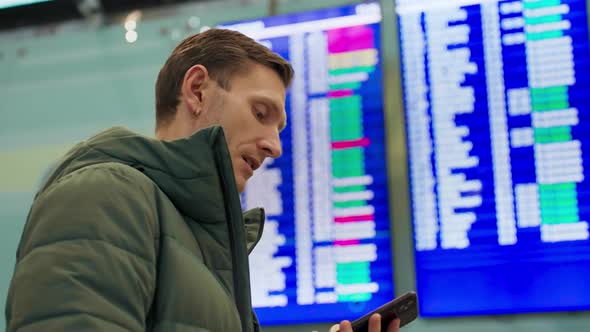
[(134, 234)]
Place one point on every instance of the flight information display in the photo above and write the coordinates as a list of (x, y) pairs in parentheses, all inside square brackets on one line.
[(498, 127), (325, 254)]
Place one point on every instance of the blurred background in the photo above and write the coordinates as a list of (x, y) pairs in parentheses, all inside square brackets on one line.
[(432, 146)]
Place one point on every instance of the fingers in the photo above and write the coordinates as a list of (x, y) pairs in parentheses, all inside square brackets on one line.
[(393, 326), (375, 323), (344, 326)]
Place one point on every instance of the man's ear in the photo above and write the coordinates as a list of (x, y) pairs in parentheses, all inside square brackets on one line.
[(195, 81)]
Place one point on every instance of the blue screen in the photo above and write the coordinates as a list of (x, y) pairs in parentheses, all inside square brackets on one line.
[(325, 254), (497, 114)]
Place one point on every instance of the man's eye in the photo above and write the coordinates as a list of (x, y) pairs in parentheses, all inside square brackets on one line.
[(260, 113)]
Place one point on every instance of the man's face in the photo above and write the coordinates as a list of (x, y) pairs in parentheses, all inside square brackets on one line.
[(252, 114)]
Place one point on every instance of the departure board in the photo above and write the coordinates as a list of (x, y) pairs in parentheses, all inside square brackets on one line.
[(325, 254), (498, 116)]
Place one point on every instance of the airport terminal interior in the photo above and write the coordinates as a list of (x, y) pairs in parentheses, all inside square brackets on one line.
[(431, 146)]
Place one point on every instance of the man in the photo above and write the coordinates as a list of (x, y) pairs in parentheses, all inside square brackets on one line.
[(130, 233)]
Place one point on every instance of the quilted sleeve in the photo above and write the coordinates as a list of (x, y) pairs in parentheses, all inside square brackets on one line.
[(87, 257)]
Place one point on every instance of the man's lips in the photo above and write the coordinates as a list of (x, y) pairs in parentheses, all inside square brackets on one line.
[(252, 162)]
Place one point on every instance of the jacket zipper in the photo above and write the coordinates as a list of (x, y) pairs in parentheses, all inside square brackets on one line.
[(231, 197)]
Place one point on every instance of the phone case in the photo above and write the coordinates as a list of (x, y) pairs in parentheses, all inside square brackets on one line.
[(404, 307)]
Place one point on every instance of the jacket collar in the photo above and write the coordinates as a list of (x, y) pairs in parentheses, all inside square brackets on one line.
[(254, 222), (185, 169)]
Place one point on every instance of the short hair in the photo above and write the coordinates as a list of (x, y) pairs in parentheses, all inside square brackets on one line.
[(224, 53)]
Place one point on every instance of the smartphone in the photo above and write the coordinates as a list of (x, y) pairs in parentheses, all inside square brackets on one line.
[(404, 307)]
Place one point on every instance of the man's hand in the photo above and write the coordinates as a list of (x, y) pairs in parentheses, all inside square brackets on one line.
[(374, 325)]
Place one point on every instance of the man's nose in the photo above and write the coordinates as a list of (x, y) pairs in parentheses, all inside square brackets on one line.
[(271, 145)]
